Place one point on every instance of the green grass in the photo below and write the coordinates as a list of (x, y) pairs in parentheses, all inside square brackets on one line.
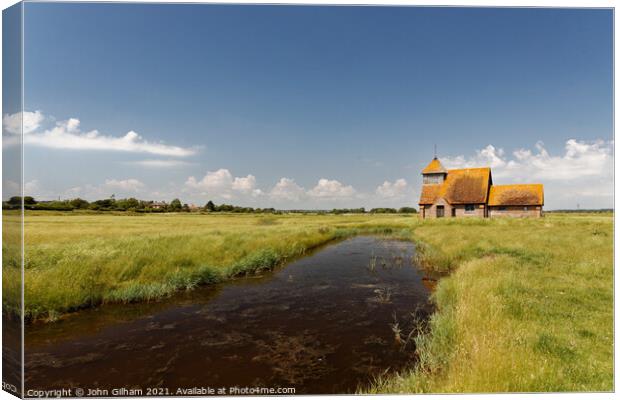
[(77, 260), (528, 305), (528, 308)]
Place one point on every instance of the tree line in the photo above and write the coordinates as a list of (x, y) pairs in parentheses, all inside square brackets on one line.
[(128, 204), (362, 210), (149, 206)]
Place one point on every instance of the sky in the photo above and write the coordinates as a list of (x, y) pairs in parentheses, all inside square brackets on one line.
[(312, 107)]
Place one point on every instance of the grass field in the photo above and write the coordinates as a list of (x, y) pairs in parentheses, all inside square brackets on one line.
[(528, 306)]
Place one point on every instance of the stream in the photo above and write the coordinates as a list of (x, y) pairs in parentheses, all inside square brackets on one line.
[(328, 323)]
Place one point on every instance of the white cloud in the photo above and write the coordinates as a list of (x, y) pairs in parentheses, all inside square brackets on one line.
[(582, 174), (159, 163), (580, 159), (487, 157), (222, 184), (31, 187), (213, 180), (245, 185), (67, 135), (287, 190), (398, 189), (257, 193), (12, 123), (331, 189), (130, 185)]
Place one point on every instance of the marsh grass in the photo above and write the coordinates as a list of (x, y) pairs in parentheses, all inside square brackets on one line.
[(372, 265), (383, 295), (412, 329), (528, 307), (11, 263), (75, 261), (397, 331)]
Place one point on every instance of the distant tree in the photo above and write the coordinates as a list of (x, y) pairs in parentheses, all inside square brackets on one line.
[(383, 211), (185, 208), (79, 203), (360, 210), (143, 205), (105, 204), (132, 202), (175, 205), (57, 205), (127, 204), (407, 210), (15, 201), (224, 208), (210, 206)]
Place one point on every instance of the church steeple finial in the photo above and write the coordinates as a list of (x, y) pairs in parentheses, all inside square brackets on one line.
[(435, 156), (434, 167)]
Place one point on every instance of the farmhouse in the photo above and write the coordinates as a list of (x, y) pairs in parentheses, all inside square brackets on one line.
[(470, 192)]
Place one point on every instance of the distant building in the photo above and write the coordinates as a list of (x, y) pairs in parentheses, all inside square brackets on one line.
[(158, 205), (469, 192)]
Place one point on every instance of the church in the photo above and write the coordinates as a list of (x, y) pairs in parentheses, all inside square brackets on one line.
[(470, 192)]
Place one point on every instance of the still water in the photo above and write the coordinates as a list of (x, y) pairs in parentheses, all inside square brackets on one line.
[(327, 323)]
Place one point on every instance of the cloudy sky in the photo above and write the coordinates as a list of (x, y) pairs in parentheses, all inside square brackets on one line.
[(312, 107)]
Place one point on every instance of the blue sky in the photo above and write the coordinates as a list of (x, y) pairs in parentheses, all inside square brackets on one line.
[(313, 107)]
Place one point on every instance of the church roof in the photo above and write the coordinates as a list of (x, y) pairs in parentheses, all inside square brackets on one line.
[(516, 195), (434, 167), (462, 186), (430, 193)]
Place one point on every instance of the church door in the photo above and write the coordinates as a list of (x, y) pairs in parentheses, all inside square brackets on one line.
[(440, 211)]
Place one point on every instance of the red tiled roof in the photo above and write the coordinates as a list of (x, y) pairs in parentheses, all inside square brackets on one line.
[(429, 193), (517, 195), (467, 186), (462, 186), (434, 167)]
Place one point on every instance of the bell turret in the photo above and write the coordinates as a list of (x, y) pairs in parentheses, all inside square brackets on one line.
[(434, 173)]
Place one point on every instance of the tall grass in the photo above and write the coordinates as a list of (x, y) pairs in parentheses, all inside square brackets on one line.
[(528, 308), (75, 261), (11, 262)]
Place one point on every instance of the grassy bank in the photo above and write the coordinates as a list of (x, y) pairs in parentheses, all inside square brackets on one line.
[(79, 260), (529, 307)]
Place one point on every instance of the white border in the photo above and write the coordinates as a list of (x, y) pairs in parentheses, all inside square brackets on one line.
[(471, 3)]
